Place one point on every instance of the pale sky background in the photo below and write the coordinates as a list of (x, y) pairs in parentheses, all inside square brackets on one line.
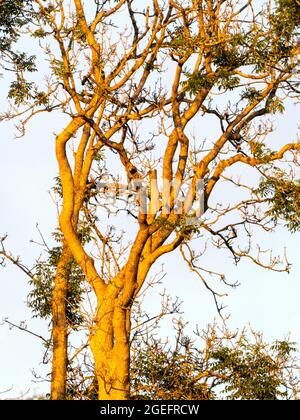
[(267, 300)]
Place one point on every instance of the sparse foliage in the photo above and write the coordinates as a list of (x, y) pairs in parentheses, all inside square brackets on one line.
[(217, 364)]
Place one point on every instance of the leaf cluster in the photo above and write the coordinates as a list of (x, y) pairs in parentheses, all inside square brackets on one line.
[(42, 283), (283, 196)]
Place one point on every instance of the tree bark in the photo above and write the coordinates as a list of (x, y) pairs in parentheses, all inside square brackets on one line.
[(110, 344), (59, 327)]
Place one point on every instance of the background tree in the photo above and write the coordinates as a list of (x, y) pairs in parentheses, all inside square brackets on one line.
[(221, 365), (224, 60)]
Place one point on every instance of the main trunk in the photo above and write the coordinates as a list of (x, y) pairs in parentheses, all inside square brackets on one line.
[(59, 328), (110, 346)]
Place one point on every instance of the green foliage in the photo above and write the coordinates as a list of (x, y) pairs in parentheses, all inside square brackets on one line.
[(180, 43), (57, 186), (283, 196), (24, 63), (99, 156), (269, 42), (20, 91), (276, 105), (260, 151), (186, 225), (275, 46), (39, 33), (252, 370), (251, 94), (286, 20), (222, 79), (198, 81), (13, 15), (78, 33), (40, 298), (230, 366), (59, 69), (41, 98), (163, 374), (230, 57), (227, 81)]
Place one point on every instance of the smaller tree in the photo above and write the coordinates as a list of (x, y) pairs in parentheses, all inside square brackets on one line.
[(230, 366)]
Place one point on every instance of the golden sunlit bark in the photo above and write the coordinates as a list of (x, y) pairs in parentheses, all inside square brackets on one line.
[(59, 327), (111, 350), (110, 338), (59, 299)]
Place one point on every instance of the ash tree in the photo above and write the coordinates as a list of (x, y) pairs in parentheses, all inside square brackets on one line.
[(133, 78)]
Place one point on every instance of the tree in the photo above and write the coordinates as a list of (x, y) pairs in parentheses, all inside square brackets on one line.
[(226, 60), (230, 366)]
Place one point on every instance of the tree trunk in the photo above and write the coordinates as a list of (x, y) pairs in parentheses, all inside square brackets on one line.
[(111, 349), (59, 328)]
